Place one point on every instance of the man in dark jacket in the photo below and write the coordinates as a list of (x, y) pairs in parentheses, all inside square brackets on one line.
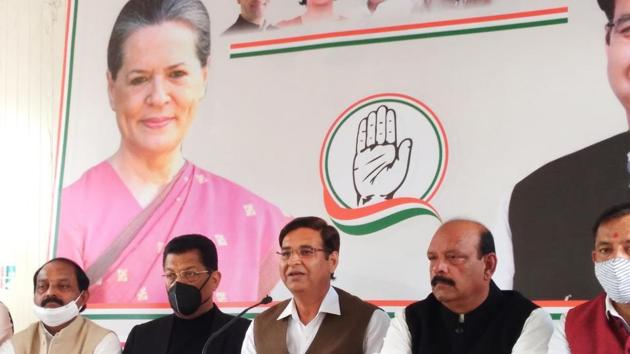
[(251, 18), (466, 313), (552, 209), (191, 277)]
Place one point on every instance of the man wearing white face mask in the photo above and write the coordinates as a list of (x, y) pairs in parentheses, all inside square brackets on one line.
[(600, 326), (61, 293)]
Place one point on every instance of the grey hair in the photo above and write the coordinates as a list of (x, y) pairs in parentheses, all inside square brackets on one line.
[(137, 14)]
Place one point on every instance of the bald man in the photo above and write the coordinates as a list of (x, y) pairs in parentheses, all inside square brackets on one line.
[(466, 313)]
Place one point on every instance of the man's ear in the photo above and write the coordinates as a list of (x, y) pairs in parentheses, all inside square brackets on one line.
[(215, 280), (333, 259), (490, 265), (83, 299)]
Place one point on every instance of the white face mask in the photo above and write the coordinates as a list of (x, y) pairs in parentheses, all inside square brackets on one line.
[(54, 317), (614, 276)]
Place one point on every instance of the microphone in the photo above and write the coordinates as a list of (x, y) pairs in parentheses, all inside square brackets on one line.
[(267, 299)]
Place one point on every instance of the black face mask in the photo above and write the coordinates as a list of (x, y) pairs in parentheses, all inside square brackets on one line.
[(185, 299)]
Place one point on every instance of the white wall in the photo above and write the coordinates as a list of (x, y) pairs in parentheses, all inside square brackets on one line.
[(31, 54)]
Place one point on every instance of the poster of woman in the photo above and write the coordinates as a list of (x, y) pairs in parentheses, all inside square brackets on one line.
[(116, 218)]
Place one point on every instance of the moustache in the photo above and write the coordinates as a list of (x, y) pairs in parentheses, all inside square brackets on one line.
[(50, 299), (440, 279)]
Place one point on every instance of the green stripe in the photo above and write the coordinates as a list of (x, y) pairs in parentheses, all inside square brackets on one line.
[(152, 316), (131, 316), (65, 126), (402, 38), (148, 317), (385, 222)]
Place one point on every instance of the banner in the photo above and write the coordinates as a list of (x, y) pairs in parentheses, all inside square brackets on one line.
[(385, 120)]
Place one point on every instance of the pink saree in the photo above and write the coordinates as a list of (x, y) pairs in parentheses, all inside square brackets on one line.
[(244, 227)]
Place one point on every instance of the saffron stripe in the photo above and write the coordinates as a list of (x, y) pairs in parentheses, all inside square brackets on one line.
[(383, 223), (400, 38), (443, 23), (59, 177), (559, 303)]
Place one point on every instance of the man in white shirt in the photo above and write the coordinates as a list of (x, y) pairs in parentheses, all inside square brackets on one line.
[(319, 318), (600, 326), (61, 293), (466, 313)]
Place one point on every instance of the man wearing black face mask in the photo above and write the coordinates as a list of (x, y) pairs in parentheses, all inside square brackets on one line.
[(191, 277)]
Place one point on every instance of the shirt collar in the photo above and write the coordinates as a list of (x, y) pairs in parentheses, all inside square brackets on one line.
[(612, 311), (330, 305), (45, 331)]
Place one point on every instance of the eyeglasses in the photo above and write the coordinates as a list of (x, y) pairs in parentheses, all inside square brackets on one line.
[(302, 252), (188, 275), (620, 26)]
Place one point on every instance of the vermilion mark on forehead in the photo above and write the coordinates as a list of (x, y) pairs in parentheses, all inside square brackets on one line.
[(615, 235)]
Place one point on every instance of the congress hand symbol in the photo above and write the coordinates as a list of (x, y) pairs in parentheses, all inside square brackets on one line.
[(380, 165)]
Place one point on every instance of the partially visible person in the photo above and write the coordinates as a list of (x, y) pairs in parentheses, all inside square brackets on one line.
[(251, 18), (394, 8), (6, 323), (191, 276), (550, 211), (372, 5), (60, 294), (445, 4), (466, 313), (316, 11), (116, 219), (319, 318), (600, 326)]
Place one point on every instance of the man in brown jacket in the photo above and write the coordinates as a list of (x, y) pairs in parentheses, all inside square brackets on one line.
[(319, 318)]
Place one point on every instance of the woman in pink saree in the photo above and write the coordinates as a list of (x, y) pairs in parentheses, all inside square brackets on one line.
[(117, 217)]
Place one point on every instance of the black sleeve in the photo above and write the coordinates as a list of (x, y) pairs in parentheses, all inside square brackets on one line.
[(240, 329), (129, 344), (233, 340)]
